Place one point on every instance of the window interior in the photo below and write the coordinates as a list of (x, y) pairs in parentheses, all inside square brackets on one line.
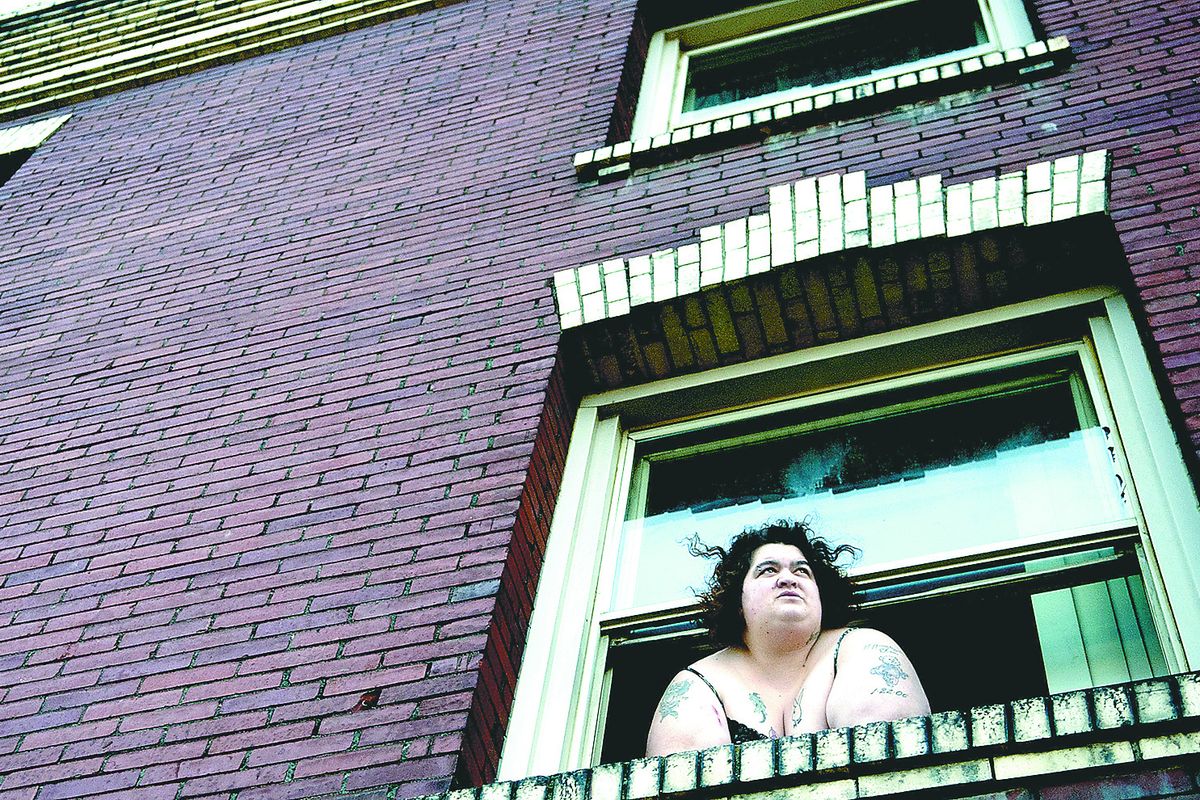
[(11, 162), (990, 509), (821, 52)]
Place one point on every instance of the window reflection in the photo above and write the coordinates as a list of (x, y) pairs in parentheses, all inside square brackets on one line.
[(916, 477)]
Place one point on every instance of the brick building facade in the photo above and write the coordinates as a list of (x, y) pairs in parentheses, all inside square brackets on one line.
[(301, 303)]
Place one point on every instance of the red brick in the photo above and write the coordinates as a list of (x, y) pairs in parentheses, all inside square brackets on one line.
[(1157, 783), (167, 716), (75, 733)]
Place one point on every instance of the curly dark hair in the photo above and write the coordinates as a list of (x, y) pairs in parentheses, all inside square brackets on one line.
[(721, 602)]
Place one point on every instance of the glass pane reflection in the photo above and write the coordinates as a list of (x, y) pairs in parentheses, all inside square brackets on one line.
[(903, 482)]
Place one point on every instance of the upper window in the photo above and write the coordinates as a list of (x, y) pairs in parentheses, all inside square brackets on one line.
[(1023, 511), (783, 51)]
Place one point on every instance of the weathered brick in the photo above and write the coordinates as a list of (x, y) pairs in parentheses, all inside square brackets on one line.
[(1155, 783), (167, 716)]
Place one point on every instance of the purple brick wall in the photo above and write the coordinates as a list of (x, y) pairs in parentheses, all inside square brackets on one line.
[(1171, 781), (276, 454)]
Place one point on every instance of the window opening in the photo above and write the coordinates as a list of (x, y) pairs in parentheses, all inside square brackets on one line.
[(777, 52), (991, 502), (1085, 594), (816, 53)]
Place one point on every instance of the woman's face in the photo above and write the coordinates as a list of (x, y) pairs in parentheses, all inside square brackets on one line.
[(779, 587)]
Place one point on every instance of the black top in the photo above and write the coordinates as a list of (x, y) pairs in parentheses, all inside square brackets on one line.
[(740, 732)]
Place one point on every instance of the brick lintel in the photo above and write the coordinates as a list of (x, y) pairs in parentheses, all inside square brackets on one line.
[(832, 214)]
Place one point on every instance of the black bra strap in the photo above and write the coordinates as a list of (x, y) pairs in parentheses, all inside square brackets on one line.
[(711, 688), (837, 648)]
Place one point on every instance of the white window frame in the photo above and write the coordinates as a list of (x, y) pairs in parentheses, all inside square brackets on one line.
[(561, 688), (660, 100)]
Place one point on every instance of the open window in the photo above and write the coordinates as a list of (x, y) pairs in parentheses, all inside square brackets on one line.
[(986, 499), (777, 52), (1023, 512)]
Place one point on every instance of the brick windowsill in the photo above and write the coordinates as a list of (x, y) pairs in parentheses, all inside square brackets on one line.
[(612, 161), (1108, 730)]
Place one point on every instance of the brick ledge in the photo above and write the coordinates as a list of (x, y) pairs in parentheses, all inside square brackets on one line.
[(616, 160), (1090, 729)]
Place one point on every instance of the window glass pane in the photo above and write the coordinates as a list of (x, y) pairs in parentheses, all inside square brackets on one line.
[(915, 478), (832, 51), (1097, 634)]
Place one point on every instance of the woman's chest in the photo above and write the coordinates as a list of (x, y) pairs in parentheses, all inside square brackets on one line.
[(782, 711)]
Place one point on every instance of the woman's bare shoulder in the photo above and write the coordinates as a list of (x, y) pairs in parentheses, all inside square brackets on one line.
[(857, 638), (720, 664), (875, 680), (688, 716)]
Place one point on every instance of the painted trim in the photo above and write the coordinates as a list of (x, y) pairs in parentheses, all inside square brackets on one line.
[(1166, 494), (548, 698)]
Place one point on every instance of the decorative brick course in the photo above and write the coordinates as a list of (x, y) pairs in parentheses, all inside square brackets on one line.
[(830, 214), (66, 56), (29, 135)]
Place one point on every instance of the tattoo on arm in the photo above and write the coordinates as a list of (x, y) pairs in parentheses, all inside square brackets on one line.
[(883, 648), (669, 705), (891, 672), (797, 711), (760, 707)]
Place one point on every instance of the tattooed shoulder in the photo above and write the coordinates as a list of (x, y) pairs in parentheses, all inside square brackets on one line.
[(890, 670), (669, 705)]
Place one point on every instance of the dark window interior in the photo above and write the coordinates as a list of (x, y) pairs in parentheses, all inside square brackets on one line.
[(11, 162), (876, 451), (832, 52)]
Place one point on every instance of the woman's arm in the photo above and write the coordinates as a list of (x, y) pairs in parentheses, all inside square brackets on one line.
[(687, 718), (874, 681)]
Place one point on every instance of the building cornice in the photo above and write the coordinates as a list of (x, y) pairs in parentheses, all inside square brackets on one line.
[(56, 56)]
